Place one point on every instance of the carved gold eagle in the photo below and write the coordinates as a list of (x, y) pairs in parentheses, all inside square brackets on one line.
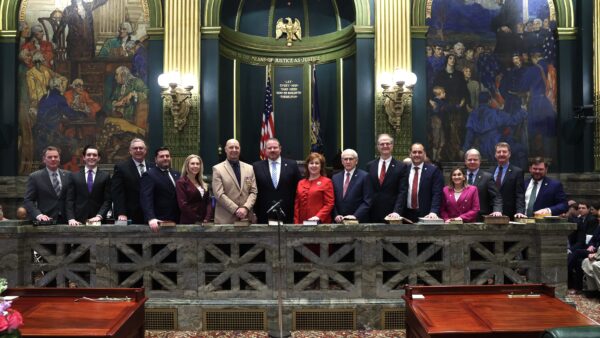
[(291, 29)]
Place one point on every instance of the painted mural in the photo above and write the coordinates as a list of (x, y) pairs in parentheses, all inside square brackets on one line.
[(83, 78), (491, 77)]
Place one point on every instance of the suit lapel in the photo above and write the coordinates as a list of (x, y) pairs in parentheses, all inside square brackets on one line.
[(48, 181), (389, 172), (543, 186), (229, 170), (424, 174)]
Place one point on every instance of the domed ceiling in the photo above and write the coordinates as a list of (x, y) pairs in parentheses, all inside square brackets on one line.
[(259, 17)]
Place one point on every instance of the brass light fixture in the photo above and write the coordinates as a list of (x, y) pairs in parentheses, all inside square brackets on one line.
[(397, 94), (177, 94)]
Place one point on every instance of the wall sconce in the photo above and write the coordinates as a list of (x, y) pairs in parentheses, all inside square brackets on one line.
[(177, 94), (397, 93)]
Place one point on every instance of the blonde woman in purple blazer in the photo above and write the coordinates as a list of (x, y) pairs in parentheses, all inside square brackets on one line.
[(460, 201)]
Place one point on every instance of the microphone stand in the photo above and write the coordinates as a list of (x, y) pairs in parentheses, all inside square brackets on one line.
[(280, 215)]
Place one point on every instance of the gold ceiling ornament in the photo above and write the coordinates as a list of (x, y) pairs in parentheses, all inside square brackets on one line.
[(290, 28)]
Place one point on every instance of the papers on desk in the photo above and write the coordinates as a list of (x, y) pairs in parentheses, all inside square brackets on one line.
[(431, 220), (418, 296), (9, 298)]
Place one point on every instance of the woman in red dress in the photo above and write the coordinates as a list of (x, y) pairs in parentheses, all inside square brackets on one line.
[(314, 194)]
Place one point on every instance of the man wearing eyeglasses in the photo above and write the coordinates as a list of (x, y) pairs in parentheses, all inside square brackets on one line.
[(353, 190), (126, 183), (386, 175)]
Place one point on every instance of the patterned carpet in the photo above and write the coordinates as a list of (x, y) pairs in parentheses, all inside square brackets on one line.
[(588, 304)]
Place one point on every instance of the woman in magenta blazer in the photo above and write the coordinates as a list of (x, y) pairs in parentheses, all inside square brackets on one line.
[(460, 201), (192, 193), (314, 194)]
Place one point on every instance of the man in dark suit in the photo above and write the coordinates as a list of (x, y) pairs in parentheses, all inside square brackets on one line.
[(509, 180), (46, 190), (386, 175), (579, 244), (353, 190), (88, 195), (490, 201), (422, 188), (125, 183), (276, 180), (543, 195), (158, 196)]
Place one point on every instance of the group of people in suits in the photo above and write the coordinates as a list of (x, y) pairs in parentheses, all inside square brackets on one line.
[(153, 193)]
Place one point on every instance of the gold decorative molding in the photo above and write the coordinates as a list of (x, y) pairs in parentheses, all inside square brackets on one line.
[(419, 32), (364, 31), (210, 32), (182, 53), (182, 38), (567, 33), (392, 51), (596, 75)]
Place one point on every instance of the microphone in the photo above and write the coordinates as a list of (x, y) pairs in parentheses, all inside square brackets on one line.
[(274, 206)]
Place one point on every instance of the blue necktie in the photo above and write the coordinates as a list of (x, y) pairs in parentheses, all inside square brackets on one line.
[(274, 173)]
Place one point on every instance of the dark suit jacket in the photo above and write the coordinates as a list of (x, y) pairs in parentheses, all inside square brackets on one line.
[(585, 226), (550, 195), (490, 199), (83, 205), (125, 187), (386, 196), (431, 185), (267, 194), (193, 207), (40, 197), (512, 192), (158, 197), (358, 195)]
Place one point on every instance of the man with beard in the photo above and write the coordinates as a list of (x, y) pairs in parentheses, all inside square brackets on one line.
[(543, 195), (276, 180), (158, 197)]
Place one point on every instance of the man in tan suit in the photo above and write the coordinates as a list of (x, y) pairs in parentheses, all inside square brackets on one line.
[(234, 187)]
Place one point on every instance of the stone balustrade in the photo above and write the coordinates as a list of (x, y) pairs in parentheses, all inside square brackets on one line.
[(362, 267)]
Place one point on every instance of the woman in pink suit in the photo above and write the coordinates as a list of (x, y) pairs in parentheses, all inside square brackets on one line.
[(314, 194), (192, 193), (460, 201)]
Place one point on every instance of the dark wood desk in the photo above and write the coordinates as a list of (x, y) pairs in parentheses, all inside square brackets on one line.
[(58, 312), (525, 310)]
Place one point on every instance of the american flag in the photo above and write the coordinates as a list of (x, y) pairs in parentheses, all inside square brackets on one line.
[(267, 127), (316, 141)]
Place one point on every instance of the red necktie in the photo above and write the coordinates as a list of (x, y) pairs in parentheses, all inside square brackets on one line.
[(414, 201), (382, 173), (346, 184)]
